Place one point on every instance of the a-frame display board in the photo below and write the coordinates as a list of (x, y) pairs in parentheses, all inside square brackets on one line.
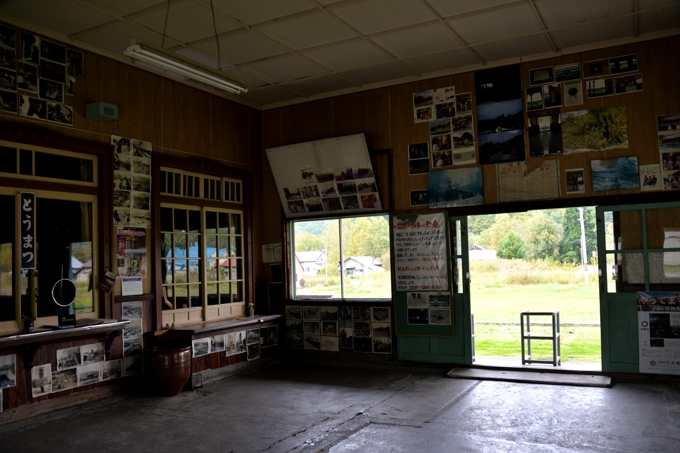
[(421, 267)]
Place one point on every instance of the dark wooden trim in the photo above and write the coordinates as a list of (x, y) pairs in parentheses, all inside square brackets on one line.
[(30, 134)]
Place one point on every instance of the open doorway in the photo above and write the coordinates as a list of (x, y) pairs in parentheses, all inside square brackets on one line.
[(540, 261)]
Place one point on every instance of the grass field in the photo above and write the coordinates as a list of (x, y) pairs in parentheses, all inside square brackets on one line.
[(501, 289)]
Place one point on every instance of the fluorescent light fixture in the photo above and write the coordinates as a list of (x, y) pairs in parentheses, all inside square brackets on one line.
[(181, 65)]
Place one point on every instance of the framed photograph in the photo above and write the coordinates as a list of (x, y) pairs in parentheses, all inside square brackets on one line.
[(41, 380), (32, 107), (380, 314), (668, 130), (650, 178), (573, 93), (312, 342), (330, 344), (575, 181), (8, 368), (545, 134), (418, 151), (8, 102), (595, 68), (599, 88), (52, 51), (8, 80), (200, 346), (423, 98), (75, 63), (422, 114), (8, 37), (456, 187), (625, 63), (382, 345), (8, 58), (565, 72), (463, 103), (541, 75), (628, 84), (615, 174), (442, 159), (27, 77), (51, 91), (68, 358), (52, 71), (217, 343), (552, 95), (418, 166), (534, 98), (89, 374), (64, 380), (29, 48), (112, 369)]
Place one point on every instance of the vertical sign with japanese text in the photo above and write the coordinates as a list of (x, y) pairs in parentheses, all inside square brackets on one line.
[(27, 229)]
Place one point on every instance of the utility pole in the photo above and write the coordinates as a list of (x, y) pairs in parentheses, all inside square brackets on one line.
[(584, 254)]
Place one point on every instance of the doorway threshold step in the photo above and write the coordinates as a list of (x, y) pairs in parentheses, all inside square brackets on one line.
[(533, 377)]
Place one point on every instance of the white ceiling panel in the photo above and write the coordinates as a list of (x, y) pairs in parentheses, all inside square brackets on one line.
[(559, 12), (283, 69), (123, 7), (318, 85), (378, 73), (508, 21), (442, 61), (269, 95), (187, 22), (447, 8), (117, 38), (349, 54), (250, 80), (241, 46), (511, 48), (373, 16), (592, 33), (256, 11), (309, 30), (660, 19), (416, 40), (62, 16)]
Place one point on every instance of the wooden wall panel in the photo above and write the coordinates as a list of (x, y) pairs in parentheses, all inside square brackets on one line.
[(366, 112), (186, 118), (229, 131), (87, 89), (139, 97), (306, 122)]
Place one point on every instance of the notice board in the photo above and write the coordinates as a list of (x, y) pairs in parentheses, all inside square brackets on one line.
[(421, 270)]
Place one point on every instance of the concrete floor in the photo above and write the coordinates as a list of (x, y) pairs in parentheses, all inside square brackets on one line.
[(307, 407)]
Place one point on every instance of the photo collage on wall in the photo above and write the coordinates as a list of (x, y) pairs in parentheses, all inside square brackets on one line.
[(500, 115), (249, 341), (332, 328), (133, 342), (418, 158), (428, 308), (333, 189), (131, 182), (36, 75), (668, 127)]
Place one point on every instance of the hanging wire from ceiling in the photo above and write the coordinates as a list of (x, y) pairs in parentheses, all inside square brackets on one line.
[(165, 27), (217, 40)]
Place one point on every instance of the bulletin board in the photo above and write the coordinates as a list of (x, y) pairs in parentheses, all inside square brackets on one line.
[(421, 269), (332, 176)]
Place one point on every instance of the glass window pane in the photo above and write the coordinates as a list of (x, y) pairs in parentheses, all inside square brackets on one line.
[(195, 295), (166, 219), (180, 220), (664, 267), (212, 268), (225, 293), (64, 244), (663, 228), (163, 181), (170, 294), (63, 167), (223, 223), (194, 221), (225, 269), (236, 248), (236, 269), (236, 224), (7, 272), (194, 247), (182, 296), (458, 288), (625, 272), (180, 245), (223, 246), (211, 222), (25, 162), (8, 160), (181, 271), (365, 247), (237, 292), (317, 258), (623, 230)]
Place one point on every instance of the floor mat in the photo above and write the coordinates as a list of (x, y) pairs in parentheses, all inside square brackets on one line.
[(584, 380)]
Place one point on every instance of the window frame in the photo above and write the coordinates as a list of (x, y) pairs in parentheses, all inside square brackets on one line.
[(207, 169), (342, 300), (33, 139)]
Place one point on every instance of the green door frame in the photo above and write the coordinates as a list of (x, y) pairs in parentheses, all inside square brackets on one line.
[(618, 311)]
